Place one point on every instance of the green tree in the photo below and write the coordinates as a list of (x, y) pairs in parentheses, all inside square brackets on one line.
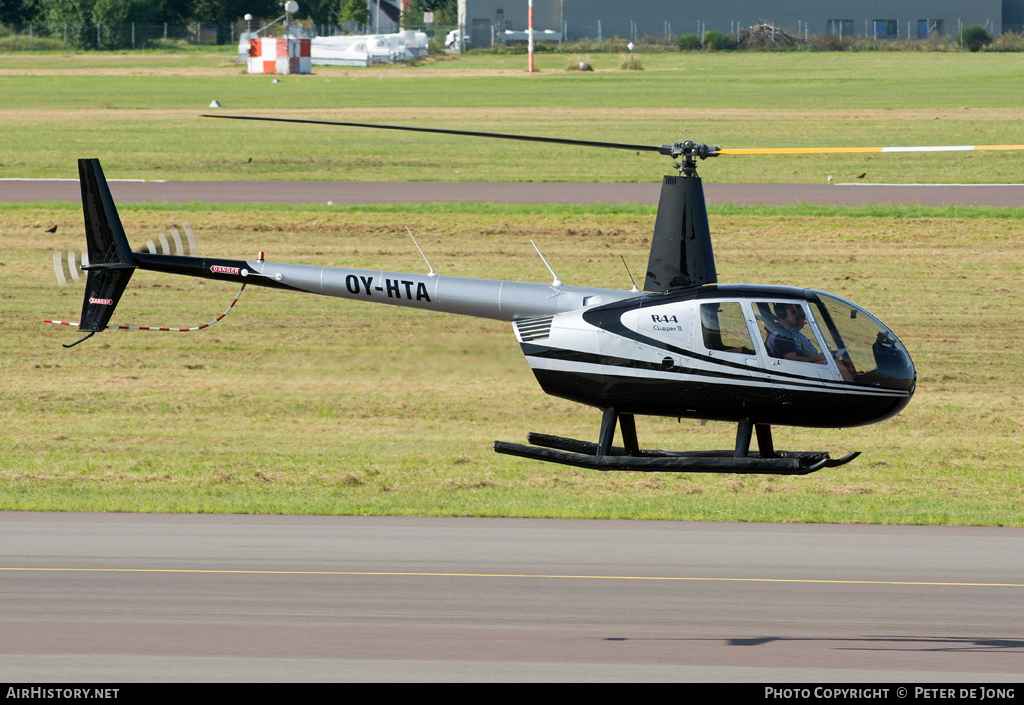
[(719, 41), (115, 18), (119, 12), (974, 37), (446, 12), (225, 12), (354, 11), (218, 11), (20, 12), (320, 12), (175, 11), (689, 42), (75, 16)]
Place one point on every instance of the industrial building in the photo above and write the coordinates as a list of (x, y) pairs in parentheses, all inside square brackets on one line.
[(483, 20)]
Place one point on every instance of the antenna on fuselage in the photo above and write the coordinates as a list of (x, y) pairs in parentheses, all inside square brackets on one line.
[(634, 289), (557, 281), (431, 273)]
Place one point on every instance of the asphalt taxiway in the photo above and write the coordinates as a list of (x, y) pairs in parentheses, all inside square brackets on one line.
[(135, 597)]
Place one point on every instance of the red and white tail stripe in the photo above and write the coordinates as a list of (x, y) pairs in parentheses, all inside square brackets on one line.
[(173, 330)]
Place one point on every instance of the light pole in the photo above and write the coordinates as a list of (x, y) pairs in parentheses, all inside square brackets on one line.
[(290, 7)]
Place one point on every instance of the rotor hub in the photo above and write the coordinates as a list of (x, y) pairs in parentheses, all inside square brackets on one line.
[(689, 152)]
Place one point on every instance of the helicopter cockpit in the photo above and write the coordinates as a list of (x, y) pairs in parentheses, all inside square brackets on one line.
[(818, 334), (866, 352)]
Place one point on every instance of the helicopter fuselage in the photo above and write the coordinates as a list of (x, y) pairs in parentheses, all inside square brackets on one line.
[(701, 352), (667, 355)]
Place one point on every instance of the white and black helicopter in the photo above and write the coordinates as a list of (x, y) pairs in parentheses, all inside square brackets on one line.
[(684, 347)]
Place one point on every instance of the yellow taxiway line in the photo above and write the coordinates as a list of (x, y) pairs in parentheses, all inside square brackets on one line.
[(508, 575)]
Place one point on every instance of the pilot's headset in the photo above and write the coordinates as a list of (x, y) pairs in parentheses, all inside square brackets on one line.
[(780, 310)]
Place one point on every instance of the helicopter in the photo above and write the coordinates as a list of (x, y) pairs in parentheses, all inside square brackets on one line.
[(685, 346)]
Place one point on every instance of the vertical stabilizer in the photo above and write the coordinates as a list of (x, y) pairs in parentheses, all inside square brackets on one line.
[(111, 262), (681, 253)]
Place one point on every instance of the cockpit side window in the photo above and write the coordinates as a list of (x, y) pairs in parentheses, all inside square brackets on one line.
[(785, 332), (766, 322), (724, 328)]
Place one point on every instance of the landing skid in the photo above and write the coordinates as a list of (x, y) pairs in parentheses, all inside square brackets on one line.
[(604, 456)]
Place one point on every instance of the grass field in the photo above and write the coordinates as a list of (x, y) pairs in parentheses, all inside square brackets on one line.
[(140, 115), (306, 404), (312, 405)]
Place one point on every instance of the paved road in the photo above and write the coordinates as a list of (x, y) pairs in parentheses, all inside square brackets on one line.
[(352, 192), (177, 597)]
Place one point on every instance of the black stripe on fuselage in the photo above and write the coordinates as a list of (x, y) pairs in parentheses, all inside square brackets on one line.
[(598, 359), (706, 399)]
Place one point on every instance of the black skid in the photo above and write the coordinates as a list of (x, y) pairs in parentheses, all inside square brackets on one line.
[(583, 454)]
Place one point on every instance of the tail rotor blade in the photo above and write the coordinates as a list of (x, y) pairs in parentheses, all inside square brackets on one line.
[(177, 242), (193, 249), (72, 267), (165, 247), (58, 269)]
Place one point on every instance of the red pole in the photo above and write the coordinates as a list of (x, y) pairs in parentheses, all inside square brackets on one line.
[(530, 33)]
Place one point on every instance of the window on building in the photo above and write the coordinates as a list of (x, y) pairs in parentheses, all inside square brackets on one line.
[(843, 28), (887, 28), (926, 27)]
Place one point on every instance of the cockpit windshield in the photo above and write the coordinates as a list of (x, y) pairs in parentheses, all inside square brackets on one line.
[(859, 342)]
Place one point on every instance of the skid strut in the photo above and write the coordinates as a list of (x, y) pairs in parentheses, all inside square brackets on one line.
[(605, 456)]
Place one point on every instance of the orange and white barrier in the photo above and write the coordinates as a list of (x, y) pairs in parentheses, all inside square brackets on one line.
[(284, 55)]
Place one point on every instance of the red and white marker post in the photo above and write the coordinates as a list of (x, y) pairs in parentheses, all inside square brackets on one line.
[(529, 33)]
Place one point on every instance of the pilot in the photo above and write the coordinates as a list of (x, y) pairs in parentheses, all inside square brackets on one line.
[(787, 341)]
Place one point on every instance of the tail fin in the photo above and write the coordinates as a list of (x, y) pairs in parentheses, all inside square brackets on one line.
[(111, 262)]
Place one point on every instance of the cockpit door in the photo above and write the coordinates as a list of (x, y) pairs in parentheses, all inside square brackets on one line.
[(786, 330)]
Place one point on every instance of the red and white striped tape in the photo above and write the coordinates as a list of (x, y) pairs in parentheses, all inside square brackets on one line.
[(173, 330)]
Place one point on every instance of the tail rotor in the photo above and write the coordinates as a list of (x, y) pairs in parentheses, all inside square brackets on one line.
[(69, 266), (188, 248)]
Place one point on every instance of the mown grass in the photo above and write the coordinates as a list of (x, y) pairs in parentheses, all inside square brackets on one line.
[(140, 115), (312, 405), (880, 211)]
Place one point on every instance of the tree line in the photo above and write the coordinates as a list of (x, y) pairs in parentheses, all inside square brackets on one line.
[(56, 14)]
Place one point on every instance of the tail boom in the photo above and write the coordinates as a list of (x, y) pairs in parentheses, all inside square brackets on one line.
[(482, 298)]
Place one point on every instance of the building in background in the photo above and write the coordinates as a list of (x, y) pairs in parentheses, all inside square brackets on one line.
[(386, 15), (482, 19)]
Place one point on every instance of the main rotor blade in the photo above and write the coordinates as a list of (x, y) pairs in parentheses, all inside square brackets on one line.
[(847, 150), (665, 149), (662, 149)]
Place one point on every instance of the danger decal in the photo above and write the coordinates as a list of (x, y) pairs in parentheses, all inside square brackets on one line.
[(218, 269), (105, 302)]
